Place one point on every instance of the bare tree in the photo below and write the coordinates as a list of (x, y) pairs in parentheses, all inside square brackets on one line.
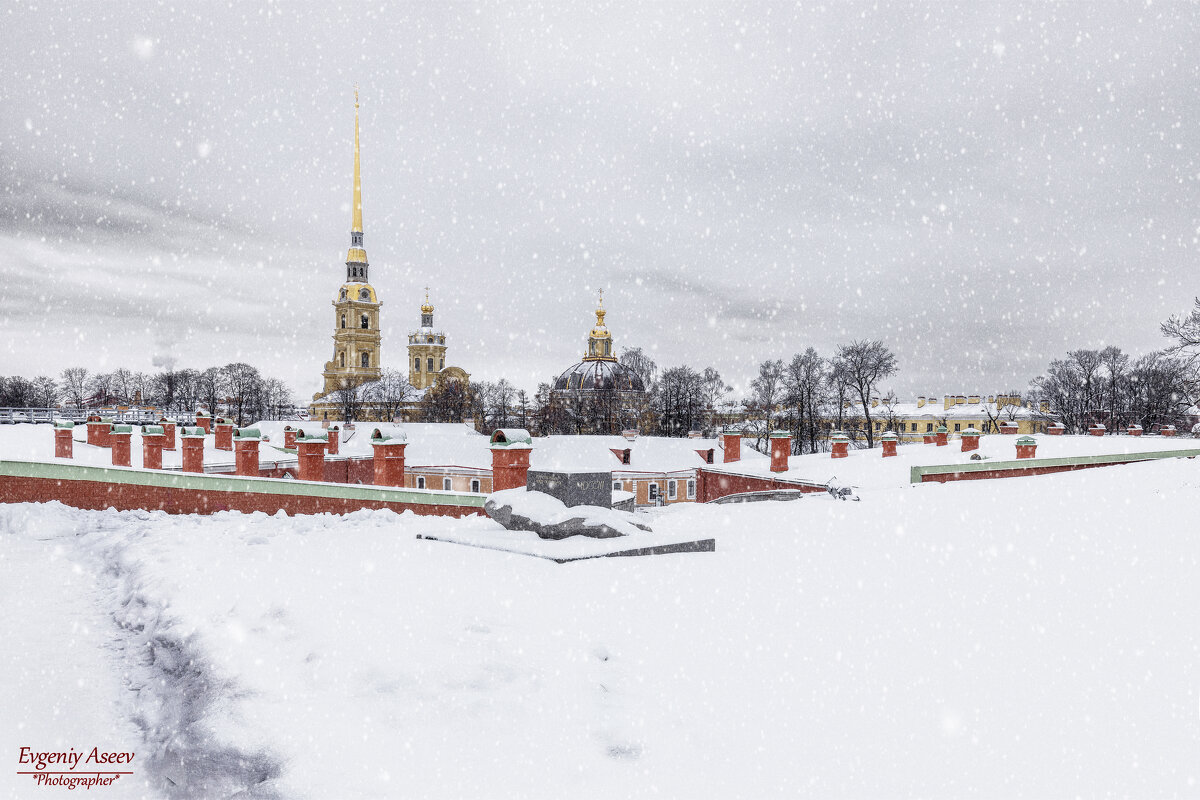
[(391, 393), (1185, 331), (349, 398), (642, 365), (244, 390), (806, 381), (766, 394), (122, 384), (523, 409), (445, 401), (502, 399), (73, 383), (17, 392), (713, 391), (864, 364), (210, 389)]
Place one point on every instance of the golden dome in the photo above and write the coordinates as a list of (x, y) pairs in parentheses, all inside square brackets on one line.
[(427, 308)]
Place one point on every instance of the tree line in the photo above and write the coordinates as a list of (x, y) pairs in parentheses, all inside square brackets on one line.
[(244, 392)]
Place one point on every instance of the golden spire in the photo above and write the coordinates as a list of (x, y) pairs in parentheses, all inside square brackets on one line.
[(428, 307), (356, 222), (356, 256)]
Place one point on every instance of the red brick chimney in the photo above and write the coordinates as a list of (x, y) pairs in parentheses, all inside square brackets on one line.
[(335, 441), (312, 455), (1097, 429), (245, 451), (841, 445), (970, 440), (224, 435), (389, 458), (168, 426), (888, 441), (192, 440), (118, 439), (152, 446), (1026, 447), (731, 441), (943, 436), (97, 430), (289, 437), (64, 444), (1134, 430), (511, 448), (781, 449), (204, 420)]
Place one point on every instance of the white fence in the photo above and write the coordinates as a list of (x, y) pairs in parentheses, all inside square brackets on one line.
[(9, 416)]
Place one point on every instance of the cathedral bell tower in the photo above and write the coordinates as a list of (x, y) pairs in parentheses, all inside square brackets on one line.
[(356, 334), (426, 350)]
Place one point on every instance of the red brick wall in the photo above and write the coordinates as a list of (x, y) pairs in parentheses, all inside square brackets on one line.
[(988, 474), (712, 485), (127, 497)]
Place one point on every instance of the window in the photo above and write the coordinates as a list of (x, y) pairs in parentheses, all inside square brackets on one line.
[(958, 426), (364, 294), (616, 486), (653, 492), (672, 490), (929, 427), (366, 359), (441, 363), (429, 365), (343, 354), (691, 489), (343, 297), (447, 485), (343, 320), (365, 323), (420, 481), (417, 364), (475, 484)]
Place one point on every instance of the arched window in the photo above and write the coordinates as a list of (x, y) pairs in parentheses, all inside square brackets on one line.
[(343, 358), (417, 364), (343, 320), (366, 323), (429, 366), (366, 359), (441, 363)]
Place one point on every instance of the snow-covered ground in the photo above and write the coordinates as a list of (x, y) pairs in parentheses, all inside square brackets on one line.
[(1030, 636)]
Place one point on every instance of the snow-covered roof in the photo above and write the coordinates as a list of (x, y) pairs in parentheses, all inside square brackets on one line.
[(868, 468), (649, 454), (430, 444), (27, 442)]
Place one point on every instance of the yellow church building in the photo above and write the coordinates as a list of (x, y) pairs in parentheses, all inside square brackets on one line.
[(357, 330)]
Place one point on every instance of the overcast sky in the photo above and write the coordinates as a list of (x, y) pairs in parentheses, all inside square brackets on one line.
[(981, 186)]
